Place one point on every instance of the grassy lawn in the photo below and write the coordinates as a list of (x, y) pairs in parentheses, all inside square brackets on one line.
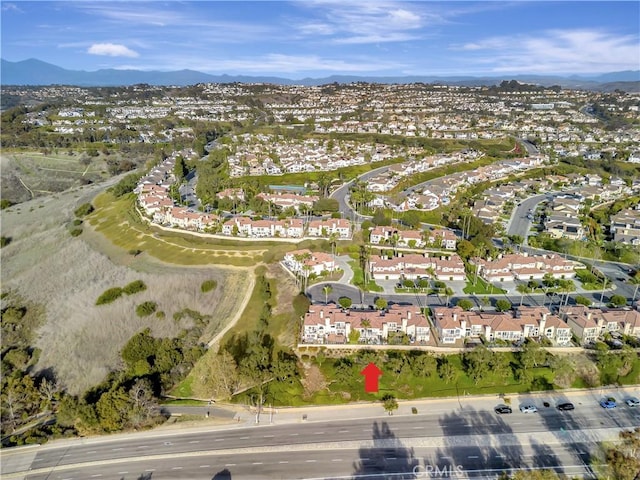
[(358, 279), (184, 389), (118, 220), (482, 288), (406, 385)]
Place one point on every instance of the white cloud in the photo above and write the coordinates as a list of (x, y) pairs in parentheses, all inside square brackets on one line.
[(360, 23), (302, 64), (11, 7), (111, 50), (556, 51)]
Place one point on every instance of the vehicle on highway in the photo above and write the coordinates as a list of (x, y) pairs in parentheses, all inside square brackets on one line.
[(632, 401), (528, 408), (503, 409), (608, 402), (566, 406)]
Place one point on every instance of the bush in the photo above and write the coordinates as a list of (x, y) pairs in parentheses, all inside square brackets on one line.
[(145, 309), (109, 296), (75, 232), (84, 209), (77, 222), (134, 287), (4, 241), (135, 252), (208, 285)]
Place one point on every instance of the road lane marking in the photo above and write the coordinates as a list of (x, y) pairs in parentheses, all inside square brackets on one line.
[(283, 461), (194, 441), (219, 439), (293, 434), (143, 446), (318, 433), (336, 460), (310, 461), (96, 475), (230, 465), (244, 438), (150, 470), (418, 428), (343, 431), (92, 451), (122, 473), (391, 458), (176, 468), (267, 436), (472, 456), (205, 466), (257, 463), (116, 449)]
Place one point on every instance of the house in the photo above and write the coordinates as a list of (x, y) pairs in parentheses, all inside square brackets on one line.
[(580, 320), (326, 228), (309, 263), (330, 323), (454, 324)]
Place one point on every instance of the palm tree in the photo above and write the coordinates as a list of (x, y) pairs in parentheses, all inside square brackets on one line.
[(522, 288), (327, 289)]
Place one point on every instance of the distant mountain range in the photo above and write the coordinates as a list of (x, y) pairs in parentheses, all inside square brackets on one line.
[(37, 72)]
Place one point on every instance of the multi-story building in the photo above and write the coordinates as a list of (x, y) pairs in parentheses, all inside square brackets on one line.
[(332, 324)]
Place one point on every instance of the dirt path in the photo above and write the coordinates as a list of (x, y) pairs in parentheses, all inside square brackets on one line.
[(247, 296)]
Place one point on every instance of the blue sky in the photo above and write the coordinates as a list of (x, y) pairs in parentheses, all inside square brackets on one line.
[(316, 38)]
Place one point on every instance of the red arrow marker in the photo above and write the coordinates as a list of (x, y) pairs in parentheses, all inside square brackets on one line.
[(371, 375)]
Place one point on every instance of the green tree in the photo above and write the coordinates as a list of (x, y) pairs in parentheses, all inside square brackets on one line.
[(624, 457), (389, 403), (618, 300), (582, 300), (503, 305), (477, 363), (532, 355), (146, 308), (446, 370), (381, 303), (180, 169), (345, 302), (423, 364), (465, 304), (327, 289)]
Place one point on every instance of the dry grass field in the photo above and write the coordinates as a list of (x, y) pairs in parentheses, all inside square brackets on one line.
[(80, 341), (27, 175)]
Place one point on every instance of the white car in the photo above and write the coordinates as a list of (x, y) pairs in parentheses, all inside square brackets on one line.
[(528, 409), (632, 401)]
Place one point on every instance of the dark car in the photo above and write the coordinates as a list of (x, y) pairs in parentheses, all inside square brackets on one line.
[(566, 406), (502, 409)]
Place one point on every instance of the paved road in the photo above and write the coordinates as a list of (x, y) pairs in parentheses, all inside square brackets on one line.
[(342, 195), (342, 441)]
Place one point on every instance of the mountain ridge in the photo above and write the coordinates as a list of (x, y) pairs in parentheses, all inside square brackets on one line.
[(34, 72)]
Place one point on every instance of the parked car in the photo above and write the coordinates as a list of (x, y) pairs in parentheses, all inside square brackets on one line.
[(503, 409), (632, 401), (566, 406), (608, 402), (528, 408)]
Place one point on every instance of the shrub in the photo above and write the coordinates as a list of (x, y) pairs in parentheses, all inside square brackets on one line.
[(75, 232), (134, 287), (145, 309), (135, 252), (84, 209), (77, 222), (208, 285), (4, 241), (109, 296)]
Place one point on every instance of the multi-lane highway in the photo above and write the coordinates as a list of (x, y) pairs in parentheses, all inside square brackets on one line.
[(356, 442)]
